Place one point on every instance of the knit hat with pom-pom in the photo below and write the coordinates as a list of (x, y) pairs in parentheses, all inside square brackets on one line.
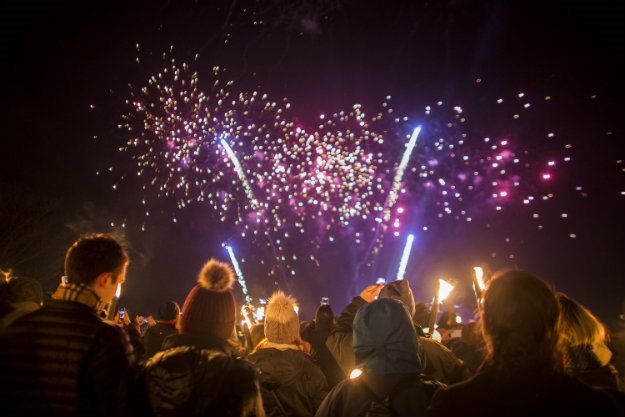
[(281, 320), (210, 308)]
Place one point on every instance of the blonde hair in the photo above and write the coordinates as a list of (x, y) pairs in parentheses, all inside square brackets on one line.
[(577, 326)]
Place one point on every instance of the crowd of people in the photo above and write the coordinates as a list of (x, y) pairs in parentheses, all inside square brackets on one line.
[(532, 351)]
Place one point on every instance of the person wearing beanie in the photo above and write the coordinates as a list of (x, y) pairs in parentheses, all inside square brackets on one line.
[(387, 355), (208, 315), (291, 384), (438, 362), (167, 317)]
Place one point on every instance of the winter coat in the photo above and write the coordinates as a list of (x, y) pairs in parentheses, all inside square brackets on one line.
[(529, 392), (202, 341), (188, 381), (290, 377), (583, 363), (316, 335), (63, 360), (438, 362), (386, 350), (410, 396), (154, 336), (15, 311)]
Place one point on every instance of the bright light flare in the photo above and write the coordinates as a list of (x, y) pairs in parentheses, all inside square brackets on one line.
[(355, 373), (479, 276), (246, 318), (404, 257), (444, 289)]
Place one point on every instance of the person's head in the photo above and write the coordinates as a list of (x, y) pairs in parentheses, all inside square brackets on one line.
[(17, 290), (214, 384), (168, 311), (210, 308), (400, 290), (519, 317), (385, 340), (421, 315), (324, 315), (98, 261), (577, 326), (281, 320), (257, 332)]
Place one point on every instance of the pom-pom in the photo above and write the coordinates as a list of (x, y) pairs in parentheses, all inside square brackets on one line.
[(216, 276), (281, 307)]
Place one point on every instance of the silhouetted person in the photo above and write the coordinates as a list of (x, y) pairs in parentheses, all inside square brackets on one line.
[(386, 351), (438, 362), (209, 312), (583, 343), (62, 359), (522, 374), (316, 333), (166, 320), (291, 384)]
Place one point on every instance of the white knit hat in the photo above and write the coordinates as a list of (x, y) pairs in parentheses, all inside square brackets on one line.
[(281, 320)]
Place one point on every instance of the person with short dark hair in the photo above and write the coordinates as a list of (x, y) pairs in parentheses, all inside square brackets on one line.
[(522, 374), (63, 359), (166, 321)]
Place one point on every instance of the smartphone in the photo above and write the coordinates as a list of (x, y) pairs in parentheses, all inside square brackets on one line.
[(455, 333), (122, 313), (325, 301), (380, 281)]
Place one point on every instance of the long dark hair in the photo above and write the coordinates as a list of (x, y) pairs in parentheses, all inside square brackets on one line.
[(519, 321)]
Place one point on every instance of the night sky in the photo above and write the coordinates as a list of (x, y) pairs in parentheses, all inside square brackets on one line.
[(536, 82)]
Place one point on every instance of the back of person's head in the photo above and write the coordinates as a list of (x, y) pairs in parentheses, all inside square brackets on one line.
[(577, 326), (421, 314), (400, 290), (187, 381), (210, 307), (168, 311), (324, 315), (385, 340), (257, 332), (281, 320), (472, 334), (519, 318), (92, 255), (18, 289)]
